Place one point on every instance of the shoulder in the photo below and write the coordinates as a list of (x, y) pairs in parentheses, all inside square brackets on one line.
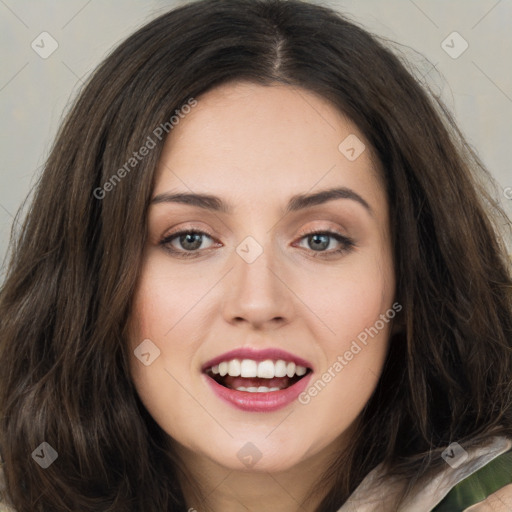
[(476, 476), (485, 487), (3, 506)]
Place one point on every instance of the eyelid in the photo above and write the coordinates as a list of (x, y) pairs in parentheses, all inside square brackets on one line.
[(188, 228), (315, 231)]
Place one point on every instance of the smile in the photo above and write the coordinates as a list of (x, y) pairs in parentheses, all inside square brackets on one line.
[(256, 384), (257, 377)]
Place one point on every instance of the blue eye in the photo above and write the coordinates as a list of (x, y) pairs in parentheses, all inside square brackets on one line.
[(319, 241), (189, 243)]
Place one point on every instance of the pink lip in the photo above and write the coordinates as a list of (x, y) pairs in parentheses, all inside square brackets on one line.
[(257, 355), (259, 402)]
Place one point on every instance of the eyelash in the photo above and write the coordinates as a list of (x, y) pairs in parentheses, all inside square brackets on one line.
[(347, 243)]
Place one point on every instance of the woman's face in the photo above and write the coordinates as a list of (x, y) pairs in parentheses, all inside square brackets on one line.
[(299, 321)]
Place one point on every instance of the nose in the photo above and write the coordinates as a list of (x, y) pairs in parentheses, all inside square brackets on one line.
[(257, 294)]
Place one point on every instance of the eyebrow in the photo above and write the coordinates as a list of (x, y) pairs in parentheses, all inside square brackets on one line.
[(296, 203)]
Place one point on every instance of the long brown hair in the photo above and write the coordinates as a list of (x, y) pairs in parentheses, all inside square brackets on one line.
[(75, 261)]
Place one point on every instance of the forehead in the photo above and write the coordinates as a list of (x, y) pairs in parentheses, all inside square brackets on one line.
[(257, 141)]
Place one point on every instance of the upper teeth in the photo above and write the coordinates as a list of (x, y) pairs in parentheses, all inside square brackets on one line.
[(267, 369)]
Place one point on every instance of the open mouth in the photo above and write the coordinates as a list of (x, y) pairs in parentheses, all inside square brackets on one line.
[(257, 376)]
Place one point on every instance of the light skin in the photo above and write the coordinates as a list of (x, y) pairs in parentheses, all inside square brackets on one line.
[(500, 501), (255, 148)]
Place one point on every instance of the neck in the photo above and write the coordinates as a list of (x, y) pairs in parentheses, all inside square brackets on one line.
[(210, 487)]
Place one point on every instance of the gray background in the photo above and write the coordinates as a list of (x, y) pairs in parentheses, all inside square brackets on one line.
[(35, 92)]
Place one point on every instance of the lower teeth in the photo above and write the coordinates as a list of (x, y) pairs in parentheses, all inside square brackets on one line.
[(227, 382), (261, 389)]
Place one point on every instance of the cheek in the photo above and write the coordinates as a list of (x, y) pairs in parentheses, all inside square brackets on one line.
[(151, 319), (351, 298), (164, 298), (353, 304), (164, 310), (353, 357)]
